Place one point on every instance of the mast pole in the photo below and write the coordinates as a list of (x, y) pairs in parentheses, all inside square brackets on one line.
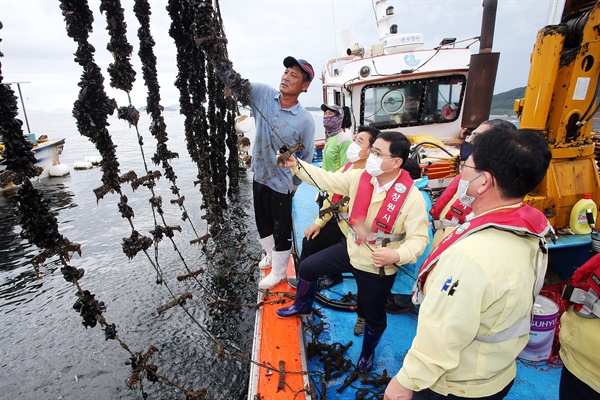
[(23, 106)]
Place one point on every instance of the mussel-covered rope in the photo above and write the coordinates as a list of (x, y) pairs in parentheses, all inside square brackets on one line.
[(39, 226), (158, 128), (93, 123), (114, 14), (151, 371), (93, 91)]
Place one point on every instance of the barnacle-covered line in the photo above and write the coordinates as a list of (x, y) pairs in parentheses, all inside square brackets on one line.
[(121, 71), (146, 54), (156, 202), (40, 227)]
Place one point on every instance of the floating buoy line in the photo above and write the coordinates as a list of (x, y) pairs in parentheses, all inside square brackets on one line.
[(211, 141)]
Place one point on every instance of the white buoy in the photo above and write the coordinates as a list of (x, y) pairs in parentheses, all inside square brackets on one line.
[(94, 159), (82, 165), (58, 170)]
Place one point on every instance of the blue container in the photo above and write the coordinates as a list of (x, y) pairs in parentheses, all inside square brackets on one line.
[(569, 253)]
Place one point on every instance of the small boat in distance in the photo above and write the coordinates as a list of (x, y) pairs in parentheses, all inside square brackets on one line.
[(47, 151)]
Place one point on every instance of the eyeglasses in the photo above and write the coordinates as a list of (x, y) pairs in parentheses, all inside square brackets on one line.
[(462, 166), (378, 154)]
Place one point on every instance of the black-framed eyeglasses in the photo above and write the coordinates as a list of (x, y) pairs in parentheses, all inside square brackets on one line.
[(462, 166)]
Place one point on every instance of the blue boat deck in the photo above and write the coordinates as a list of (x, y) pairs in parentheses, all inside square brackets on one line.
[(539, 380)]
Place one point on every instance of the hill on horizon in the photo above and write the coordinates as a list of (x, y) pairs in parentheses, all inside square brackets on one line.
[(503, 103)]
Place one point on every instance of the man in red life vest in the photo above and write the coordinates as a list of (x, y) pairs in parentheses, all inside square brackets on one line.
[(327, 230), (384, 204), (477, 287), (448, 212)]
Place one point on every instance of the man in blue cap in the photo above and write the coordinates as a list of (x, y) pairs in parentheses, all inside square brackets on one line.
[(280, 121)]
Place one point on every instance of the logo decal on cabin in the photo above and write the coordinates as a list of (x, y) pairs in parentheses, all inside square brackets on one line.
[(411, 60)]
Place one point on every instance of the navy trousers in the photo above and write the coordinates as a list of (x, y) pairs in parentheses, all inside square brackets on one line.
[(573, 388), (372, 290), (330, 234), (428, 394)]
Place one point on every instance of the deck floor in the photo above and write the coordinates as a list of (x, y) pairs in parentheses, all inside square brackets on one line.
[(534, 381)]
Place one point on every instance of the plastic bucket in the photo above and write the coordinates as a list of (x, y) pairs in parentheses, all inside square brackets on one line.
[(543, 326)]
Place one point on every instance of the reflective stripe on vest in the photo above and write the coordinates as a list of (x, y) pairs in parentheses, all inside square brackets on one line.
[(525, 221)]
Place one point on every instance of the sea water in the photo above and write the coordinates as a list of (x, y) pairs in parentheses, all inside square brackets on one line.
[(46, 353)]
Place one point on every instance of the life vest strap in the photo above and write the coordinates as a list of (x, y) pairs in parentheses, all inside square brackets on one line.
[(519, 328), (444, 223), (589, 300)]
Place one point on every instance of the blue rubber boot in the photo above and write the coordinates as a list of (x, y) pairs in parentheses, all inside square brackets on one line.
[(370, 342), (305, 297)]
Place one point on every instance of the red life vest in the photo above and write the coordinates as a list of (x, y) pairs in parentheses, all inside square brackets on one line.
[(337, 197), (457, 209), (583, 289), (524, 220), (390, 208)]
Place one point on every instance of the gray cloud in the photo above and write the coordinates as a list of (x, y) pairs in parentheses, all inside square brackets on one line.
[(260, 34)]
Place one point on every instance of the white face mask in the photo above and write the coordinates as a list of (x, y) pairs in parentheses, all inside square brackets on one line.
[(374, 165), (463, 197), (353, 152)]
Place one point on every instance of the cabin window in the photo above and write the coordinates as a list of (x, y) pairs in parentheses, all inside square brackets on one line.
[(415, 102)]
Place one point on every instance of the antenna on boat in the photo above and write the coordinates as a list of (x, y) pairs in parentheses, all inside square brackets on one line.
[(22, 102)]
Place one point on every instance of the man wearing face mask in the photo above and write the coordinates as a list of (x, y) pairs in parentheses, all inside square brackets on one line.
[(327, 231), (448, 212), (476, 296), (384, 205)]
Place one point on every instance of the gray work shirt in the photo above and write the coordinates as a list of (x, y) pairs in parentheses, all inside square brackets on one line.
[(293, 125)]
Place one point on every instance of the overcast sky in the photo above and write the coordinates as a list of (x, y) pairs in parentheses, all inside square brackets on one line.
[(36, 47)]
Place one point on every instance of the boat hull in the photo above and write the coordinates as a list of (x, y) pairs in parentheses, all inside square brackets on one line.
[(47, 155)]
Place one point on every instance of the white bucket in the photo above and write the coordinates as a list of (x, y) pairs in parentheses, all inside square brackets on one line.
[(543, 326), (243, 124)]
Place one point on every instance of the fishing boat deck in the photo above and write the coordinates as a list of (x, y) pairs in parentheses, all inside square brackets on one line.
[(285, 340), (535, 380)]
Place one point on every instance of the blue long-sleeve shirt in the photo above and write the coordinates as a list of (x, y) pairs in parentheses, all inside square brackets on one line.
[(293, 125)]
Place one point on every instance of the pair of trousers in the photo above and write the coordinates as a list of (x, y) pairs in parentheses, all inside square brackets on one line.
[(273, 215), (372, 290), (330, 234), (428, 394), (573, 388)]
